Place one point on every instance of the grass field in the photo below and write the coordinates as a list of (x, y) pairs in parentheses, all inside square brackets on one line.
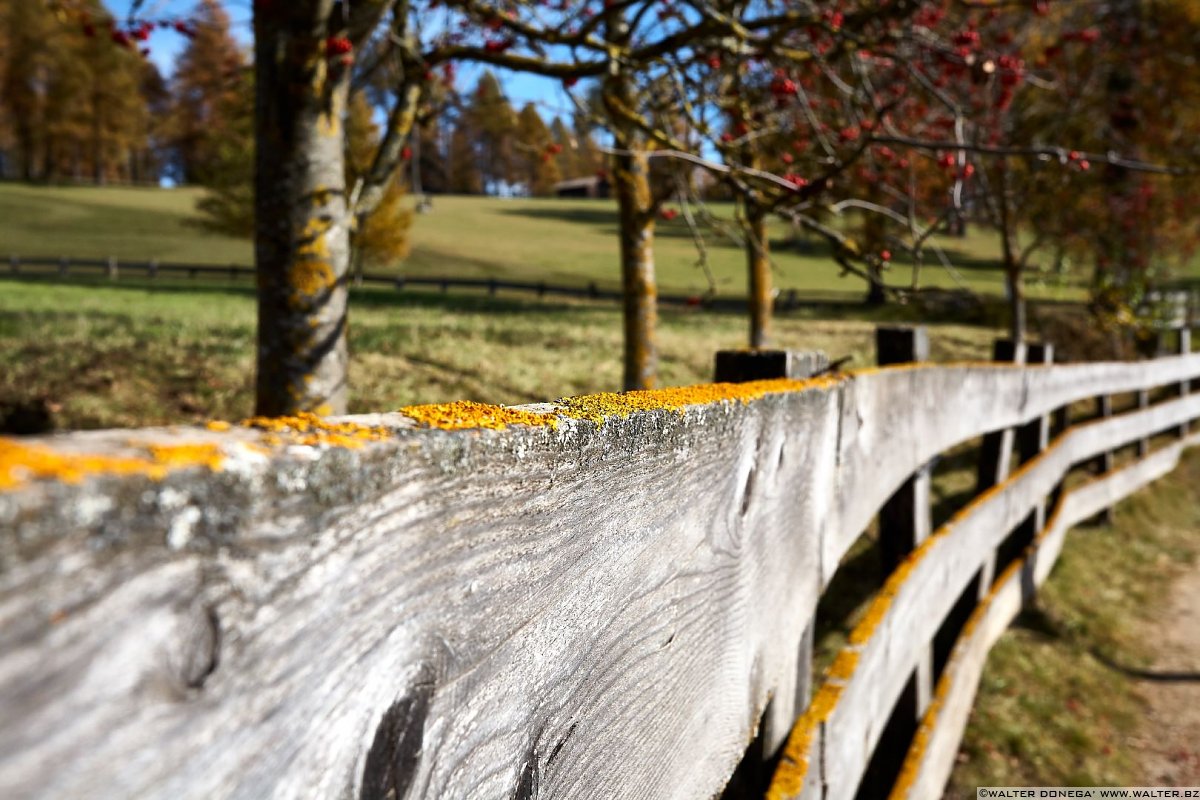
[(572, 242), (108, 355)]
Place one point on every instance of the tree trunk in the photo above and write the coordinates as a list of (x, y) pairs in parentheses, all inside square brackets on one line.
[(631, 182), (758, 260), (876, 296), (301, 242), (1013, 268)]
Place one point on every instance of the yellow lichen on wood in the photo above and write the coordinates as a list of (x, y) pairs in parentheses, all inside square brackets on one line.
[(600, 407), (22, 463), (310, 429), (174, 456), (788, 780), (597, 408), (843, 666), (468, 415)]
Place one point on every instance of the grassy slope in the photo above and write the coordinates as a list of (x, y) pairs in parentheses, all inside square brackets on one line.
[(149, 354), (571, 242)]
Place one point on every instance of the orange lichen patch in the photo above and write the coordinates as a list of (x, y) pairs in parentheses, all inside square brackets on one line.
[(882, 602), (920, 744), (843, 666), (310, 429), (468, 415), (600, 407), (311, 277), (219, 426), (793, 765), (21, 463), (173, 456)]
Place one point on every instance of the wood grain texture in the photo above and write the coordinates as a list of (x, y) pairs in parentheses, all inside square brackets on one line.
[(587, 611), (570, 613)]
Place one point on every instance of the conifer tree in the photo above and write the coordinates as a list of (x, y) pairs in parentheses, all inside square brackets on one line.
[(535, 153), (208, 91)]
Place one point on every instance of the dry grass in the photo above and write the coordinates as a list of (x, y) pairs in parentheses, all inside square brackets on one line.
[(102, 355)]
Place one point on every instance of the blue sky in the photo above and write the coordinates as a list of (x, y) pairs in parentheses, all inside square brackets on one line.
[(165, 47)]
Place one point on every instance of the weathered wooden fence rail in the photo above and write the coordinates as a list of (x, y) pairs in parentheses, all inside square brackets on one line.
[(598, 598)]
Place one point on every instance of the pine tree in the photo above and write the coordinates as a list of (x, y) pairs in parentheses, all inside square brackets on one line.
[(206, 87), (464, 175), (535, 153), (566, 158), (228, 205), (74, 100), (494, 124)]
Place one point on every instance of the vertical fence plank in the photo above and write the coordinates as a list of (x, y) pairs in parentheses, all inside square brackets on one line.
[(1103, 463), (110, 268), (905, 521), (14, 264), (1032, 440), (741, 366), (1183, 346), (995, 455), (63, 266)]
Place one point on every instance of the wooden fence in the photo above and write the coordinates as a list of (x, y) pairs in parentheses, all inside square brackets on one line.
[(115, 269), (603, 597)]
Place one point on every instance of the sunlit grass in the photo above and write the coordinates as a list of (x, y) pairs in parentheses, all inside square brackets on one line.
[(136, 353)]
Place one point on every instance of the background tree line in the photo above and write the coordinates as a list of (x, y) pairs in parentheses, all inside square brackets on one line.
[(76, 108)]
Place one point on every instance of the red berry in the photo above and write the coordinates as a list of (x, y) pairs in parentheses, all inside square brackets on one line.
[(338, 46)]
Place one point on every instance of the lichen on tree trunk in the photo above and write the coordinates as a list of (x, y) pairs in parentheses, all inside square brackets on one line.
[(302, 247), (631, 181)]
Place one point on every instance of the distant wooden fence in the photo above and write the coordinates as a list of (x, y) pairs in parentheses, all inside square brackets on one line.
[(605, 599), (115, 269)]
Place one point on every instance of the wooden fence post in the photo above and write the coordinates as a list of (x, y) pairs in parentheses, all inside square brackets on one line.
[(152, 269), (995, 454), (1032, 439), (63, 266), (14, 264), (110, 268), (1183, 347), (906, 519), (741, 366)]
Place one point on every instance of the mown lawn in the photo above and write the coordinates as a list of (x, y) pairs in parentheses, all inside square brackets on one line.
[(559, 241)]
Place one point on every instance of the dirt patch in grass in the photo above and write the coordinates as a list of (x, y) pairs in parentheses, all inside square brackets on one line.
[(1167, 744)]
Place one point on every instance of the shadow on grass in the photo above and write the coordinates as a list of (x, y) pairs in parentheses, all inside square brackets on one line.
[(1039, 622)]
